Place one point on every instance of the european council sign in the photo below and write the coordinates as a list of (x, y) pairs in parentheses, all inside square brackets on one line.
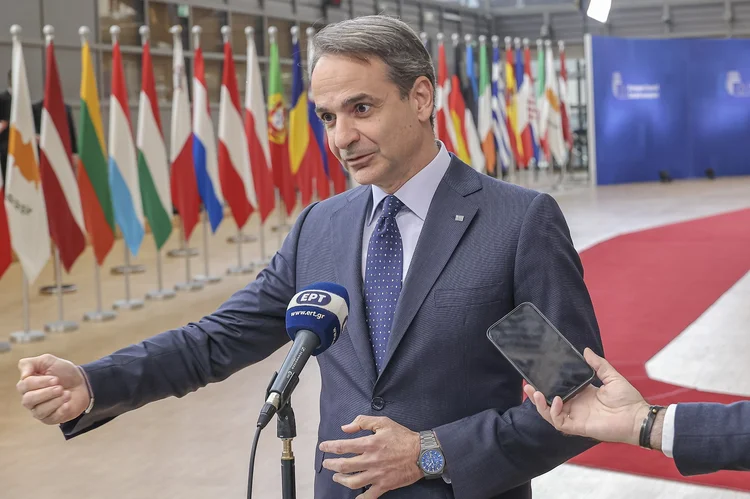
[(677, 105)]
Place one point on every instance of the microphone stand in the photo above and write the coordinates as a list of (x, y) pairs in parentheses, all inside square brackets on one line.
[(286, 430)]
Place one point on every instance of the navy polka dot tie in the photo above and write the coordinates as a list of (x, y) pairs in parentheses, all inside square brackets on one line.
[(385, 257)]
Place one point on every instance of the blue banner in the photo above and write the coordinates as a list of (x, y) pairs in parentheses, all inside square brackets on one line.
[(676, 105)]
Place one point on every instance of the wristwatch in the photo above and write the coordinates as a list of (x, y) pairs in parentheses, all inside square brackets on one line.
[(431, 459)]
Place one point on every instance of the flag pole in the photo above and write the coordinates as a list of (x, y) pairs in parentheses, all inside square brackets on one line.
[(160, 293), (206, 277), (27, 335), (61, 325), (127, 303), (189, 284), (97, 315), (239, 269)]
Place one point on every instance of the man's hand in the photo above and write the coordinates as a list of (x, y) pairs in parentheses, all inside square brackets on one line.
[(52, 389), (3, 125), (612, 413), (386, 460)]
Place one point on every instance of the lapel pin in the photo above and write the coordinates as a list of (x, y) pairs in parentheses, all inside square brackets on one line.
[(459, 218)]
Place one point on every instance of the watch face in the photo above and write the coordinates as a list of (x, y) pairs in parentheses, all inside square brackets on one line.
[(432, 461)]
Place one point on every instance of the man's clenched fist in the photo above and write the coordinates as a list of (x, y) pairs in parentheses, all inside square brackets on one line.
[(53, 389)]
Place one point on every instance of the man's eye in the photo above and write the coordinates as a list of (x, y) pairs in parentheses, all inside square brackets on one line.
[(326, 117), (362, 108)]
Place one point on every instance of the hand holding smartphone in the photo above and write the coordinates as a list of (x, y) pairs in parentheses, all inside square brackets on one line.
[(540, 353)]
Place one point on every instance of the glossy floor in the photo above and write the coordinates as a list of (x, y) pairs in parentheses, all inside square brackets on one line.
[(197, 447)]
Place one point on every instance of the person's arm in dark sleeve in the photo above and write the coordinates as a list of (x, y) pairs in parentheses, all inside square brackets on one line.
[(712, 437), (246, 329)]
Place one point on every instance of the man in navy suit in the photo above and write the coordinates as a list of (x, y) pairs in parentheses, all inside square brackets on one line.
[(701, 437), (415, 401)]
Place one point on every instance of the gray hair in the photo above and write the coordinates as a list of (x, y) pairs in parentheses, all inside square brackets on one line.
[(386, 38)]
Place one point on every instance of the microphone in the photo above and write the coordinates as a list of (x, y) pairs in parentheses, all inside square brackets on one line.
[(314, 320)]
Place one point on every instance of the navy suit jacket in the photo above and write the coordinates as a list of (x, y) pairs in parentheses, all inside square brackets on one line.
[(441, 372), (712, 437)]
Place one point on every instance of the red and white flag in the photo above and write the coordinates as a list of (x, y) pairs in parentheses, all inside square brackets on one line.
[(62, 198), (234, 155), (185, 194), (256, 129)]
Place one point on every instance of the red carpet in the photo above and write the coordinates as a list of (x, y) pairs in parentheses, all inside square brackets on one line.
[(647, 288)]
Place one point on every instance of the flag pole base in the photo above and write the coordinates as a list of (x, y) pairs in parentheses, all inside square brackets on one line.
[(237, 270), (61, 327), (211, 279), (128, 304), (27, 336), (101, 316), (132, 269), (4, 346), (188, 286), (52, 289), (182, 253), (246, 238), (162, 294)]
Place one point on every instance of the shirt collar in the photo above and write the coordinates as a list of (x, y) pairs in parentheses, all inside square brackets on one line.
[(418, 191)]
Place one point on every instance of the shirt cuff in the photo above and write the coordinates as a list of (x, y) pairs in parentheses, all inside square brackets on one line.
[(667, 434)]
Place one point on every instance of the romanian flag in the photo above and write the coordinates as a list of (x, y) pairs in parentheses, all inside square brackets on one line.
[(93, 174), (299, 128)]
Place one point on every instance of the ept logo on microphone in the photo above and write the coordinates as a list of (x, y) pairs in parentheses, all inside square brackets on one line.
[(322, 308), (314, 298)]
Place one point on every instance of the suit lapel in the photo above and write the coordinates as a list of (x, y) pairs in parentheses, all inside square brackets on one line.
[(448, 218), (346, 227)]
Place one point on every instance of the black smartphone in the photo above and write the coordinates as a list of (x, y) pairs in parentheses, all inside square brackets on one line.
[(540, 353)]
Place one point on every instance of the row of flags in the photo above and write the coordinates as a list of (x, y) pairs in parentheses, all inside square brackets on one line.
[(130, 180), (500, 118)]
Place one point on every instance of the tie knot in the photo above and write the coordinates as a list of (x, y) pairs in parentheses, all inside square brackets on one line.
[(392, 206)]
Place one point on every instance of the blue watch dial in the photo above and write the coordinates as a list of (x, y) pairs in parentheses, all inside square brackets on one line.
[(432, 461)]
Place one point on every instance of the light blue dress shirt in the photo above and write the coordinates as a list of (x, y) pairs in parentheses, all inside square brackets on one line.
[(416, 194)]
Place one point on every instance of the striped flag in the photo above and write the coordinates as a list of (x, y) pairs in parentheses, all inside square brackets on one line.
[(123, 162), (457, 106), (484, 109), (24, 200), (499, 111), (93, 171), (540, 86), (153, 166), (299, 130), (511, 100), (183, 182), (551, 112), (204, 146), (63, 200), (444, 124), (317, 151), (565, 107), (6, 254), (531, 104), (473, 142), (234, 160), (277, 131), (256, 130)]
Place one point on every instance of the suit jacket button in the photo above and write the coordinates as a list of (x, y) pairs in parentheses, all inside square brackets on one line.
[(378, 404)]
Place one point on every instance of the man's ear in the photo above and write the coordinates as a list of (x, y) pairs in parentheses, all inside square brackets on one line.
[(423, 97)]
